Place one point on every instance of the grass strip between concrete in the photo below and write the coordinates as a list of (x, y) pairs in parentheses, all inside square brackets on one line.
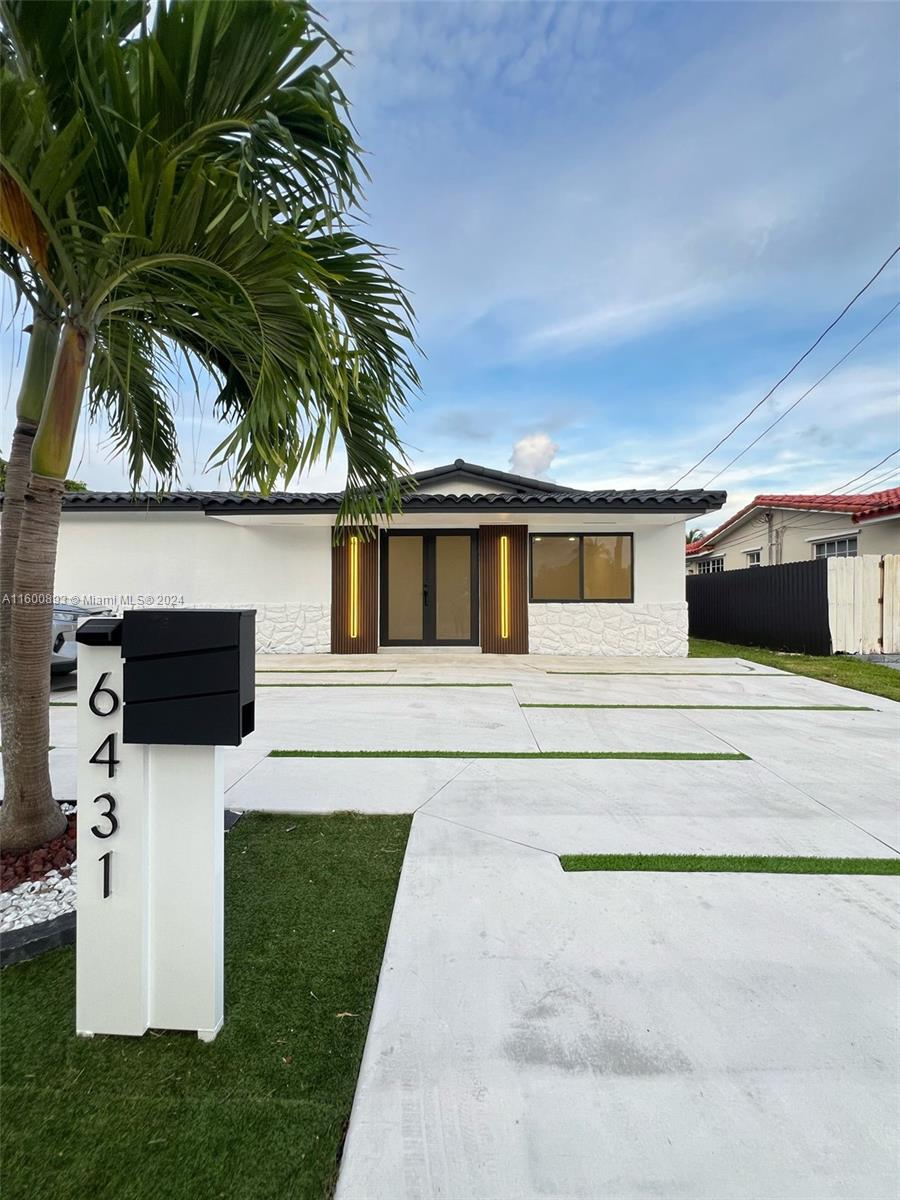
[(722, 707), (674, 756), (385, 684), (731, 863), (689, 674)]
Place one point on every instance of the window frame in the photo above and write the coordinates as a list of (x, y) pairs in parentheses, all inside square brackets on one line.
[(837, 541), (755, 556), (580, 535), (708, 563)]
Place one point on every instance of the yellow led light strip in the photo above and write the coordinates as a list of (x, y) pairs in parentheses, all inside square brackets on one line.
[(354, 587), (504, 587)]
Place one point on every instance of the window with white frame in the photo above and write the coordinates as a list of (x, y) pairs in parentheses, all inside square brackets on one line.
[(845, 547), (710, 566), (752, 557)]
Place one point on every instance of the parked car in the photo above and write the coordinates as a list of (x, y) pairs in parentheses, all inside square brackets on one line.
[(64, 648)]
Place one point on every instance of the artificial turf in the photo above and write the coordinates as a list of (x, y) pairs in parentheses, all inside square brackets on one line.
[(641, 754), (653, 674), (384, 684), (736, 863), (841, 669), (326, 671), (260, 1113), (718, 707)]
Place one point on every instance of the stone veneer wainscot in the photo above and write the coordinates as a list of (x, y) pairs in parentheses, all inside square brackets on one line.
[(614, 629), (293, 628)]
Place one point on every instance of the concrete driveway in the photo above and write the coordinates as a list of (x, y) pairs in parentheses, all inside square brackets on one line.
[(546, 1034)]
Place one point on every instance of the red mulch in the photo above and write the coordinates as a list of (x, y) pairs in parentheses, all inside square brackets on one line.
[(57, 855)]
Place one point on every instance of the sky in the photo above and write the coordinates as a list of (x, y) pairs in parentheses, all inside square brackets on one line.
[(619, 225)]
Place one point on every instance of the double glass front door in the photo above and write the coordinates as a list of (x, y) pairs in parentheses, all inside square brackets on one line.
[(429, 589)]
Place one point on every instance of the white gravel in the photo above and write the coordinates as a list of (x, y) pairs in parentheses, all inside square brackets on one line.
[(32, 902), (39, 900)]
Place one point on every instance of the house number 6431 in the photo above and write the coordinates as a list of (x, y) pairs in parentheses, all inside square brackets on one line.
[(104, 702)]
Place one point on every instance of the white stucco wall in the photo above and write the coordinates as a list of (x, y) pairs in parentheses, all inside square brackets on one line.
[(131, 559), (456, 487), (656, 623), (795, 533), (283, 570), (879, 537)]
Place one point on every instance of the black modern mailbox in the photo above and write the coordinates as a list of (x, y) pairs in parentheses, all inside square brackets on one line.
[(189, 676)]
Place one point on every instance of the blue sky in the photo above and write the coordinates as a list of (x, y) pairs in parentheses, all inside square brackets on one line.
[(619, 225)]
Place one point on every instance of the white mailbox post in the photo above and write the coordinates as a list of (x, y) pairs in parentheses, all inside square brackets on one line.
[(159, 694)]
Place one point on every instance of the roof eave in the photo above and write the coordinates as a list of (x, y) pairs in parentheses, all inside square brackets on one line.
[(563, 504)]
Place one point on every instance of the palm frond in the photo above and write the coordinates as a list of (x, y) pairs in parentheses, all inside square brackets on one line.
[(196, 179), (127, 384)]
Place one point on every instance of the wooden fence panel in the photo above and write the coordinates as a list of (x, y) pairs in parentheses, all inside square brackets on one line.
[(890, 608), (858, 600)]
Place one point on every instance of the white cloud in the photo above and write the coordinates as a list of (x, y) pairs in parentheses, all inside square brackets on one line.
[(533, 454), (619, 322)]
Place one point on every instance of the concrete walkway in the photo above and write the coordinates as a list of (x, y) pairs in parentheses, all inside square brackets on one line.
[(538, 1034), (552, 1035)]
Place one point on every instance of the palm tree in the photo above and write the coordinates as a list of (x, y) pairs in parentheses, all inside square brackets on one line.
[(186, 196), (693, 535)]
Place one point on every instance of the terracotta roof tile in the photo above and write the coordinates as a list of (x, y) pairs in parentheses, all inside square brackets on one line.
[(861, 506)]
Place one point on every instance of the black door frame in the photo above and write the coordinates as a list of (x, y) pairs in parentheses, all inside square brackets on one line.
[(429, 572)]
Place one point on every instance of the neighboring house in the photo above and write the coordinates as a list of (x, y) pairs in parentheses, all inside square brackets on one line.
[(478, 558), (782, 529)]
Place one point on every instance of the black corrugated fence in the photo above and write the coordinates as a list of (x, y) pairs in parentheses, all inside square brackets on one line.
[(781, 608)]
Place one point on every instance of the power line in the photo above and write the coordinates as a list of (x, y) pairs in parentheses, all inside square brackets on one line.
[(791, 407), (870, 483), (800, 514), (888, 478), (867, 472), (787, 375)]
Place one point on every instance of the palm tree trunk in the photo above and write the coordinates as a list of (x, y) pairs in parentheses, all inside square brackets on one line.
[(30, 816), (30, 403)]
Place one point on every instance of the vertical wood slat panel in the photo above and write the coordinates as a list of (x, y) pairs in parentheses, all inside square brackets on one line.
[(489, 580), (366, 642)]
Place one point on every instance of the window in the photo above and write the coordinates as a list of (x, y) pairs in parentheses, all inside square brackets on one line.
[(710, 566), (837, 548), (753, 557), (581, 566)]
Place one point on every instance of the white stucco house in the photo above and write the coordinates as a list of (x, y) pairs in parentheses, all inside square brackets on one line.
[(478, 558), (783, 529)]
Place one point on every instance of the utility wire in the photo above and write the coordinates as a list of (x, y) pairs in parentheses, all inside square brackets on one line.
[(890, 478), (787, 374), (869, 484), (800, 514), (867, 472), (791, 407)]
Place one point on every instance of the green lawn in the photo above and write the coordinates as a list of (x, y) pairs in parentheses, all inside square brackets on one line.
[(720, 707), (834, 668), (739, 863), (261, 1112)]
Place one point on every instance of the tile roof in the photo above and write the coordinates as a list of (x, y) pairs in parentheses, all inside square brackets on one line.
[(690, 502), (503, 491), (861, 506)]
